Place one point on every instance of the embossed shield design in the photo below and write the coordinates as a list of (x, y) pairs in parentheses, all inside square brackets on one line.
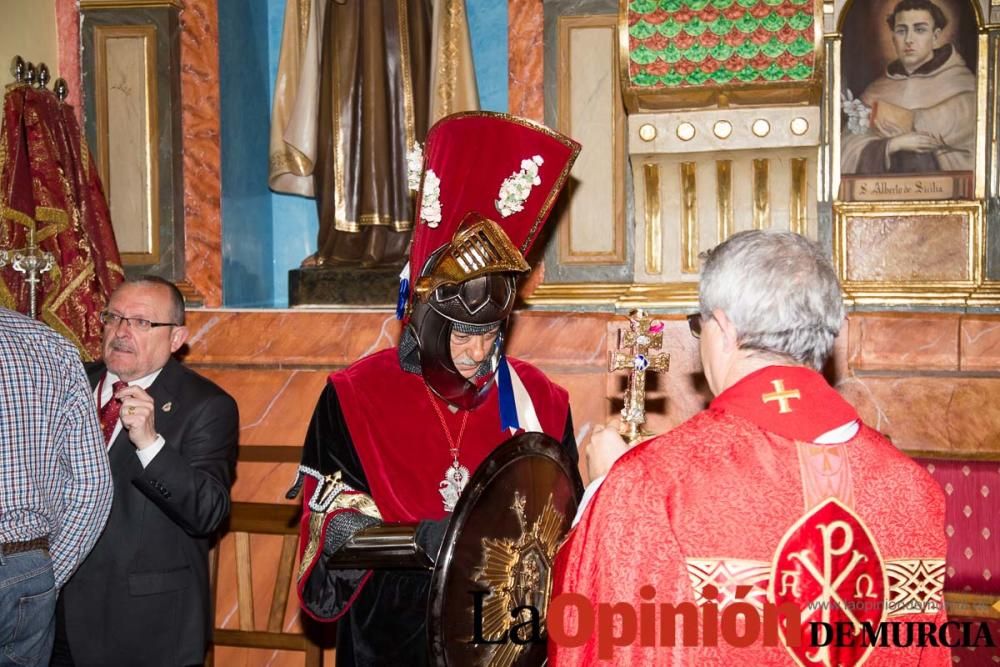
[(829, 568), (500, 543)]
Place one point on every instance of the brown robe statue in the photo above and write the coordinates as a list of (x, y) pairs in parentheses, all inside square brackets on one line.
[(358, 85), (373, 110)]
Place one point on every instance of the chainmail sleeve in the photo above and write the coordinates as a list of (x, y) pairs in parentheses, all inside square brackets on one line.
[(336, 505)]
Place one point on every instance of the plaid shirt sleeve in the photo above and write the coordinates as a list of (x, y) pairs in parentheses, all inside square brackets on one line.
[(87, 490)]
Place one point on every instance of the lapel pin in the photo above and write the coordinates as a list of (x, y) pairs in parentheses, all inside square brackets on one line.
[(167, 406)]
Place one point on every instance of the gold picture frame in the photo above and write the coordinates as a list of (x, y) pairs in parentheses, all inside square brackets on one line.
[(948, 237)]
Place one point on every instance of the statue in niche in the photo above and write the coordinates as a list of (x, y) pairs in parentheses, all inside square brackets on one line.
[(358, 85), (916, 113)]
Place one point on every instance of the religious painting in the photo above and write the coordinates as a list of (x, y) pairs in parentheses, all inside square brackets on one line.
[(908, 100)]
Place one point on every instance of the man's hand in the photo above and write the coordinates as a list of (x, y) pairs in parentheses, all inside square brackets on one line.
[(604, 448), (137, 416), (913, 141)]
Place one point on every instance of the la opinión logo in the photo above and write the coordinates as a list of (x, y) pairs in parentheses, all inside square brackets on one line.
[(573, 620)]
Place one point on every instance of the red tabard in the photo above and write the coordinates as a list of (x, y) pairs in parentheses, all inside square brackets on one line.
[(399, 438)]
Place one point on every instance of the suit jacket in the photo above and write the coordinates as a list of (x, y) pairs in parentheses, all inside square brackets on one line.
[(142, 595)]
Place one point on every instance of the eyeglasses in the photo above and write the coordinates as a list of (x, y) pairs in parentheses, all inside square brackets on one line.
[(694, 324), (136, 323)]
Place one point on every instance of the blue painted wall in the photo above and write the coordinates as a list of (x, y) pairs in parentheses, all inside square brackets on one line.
[(488, 31), (265, 234), (247, 225), (296, 222)]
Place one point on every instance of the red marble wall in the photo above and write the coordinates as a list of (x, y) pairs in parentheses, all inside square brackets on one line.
[(202, 149), (68, 31), (524, 57)]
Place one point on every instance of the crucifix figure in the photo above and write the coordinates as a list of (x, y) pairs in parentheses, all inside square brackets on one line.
[(637, 353)]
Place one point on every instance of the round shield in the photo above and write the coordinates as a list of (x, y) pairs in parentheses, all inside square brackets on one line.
[(493, 576)]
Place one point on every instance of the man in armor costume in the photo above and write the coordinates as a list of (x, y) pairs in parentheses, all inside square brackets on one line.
[(395, 436)]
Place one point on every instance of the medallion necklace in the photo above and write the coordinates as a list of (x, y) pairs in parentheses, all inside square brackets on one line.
[(457, 475)]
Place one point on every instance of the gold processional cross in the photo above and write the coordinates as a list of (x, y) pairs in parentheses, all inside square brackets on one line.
[(637, 353)]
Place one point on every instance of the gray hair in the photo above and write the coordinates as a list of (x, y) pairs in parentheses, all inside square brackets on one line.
[(780, 292), (177, 310)]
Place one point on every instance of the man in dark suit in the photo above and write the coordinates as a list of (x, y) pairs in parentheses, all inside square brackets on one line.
[(142, 596)]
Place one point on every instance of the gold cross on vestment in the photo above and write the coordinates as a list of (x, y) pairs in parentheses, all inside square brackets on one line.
[(781, 395), (636, 353)]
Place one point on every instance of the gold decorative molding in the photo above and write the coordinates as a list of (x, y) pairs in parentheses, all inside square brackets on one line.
[(798, 208), (130, 4), (994, 140), (675, 295), (689, 218), (831, 129), (724, 199), (982, 83), (654, 221), (972, 291), (986, 295), (761, 194), (619, 295)]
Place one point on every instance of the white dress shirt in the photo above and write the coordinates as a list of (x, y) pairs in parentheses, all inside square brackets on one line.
[(106, 388)]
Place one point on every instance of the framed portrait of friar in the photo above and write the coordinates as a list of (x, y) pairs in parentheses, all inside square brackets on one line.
[(909, 101)]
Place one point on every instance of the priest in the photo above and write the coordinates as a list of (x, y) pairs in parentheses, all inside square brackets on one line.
[(765, 522)]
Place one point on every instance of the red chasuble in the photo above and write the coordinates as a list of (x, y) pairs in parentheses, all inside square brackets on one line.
[(400, 439), (740, 510)]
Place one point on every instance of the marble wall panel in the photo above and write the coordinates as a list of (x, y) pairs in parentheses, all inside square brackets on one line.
[(525, 55), (202, 149), (947, 415), (575, 339), (275, 404), (923, 341), (908, 248), (288, 338), (979, 341)]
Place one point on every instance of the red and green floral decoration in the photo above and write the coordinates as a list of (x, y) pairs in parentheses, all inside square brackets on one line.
[(688, 43)]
